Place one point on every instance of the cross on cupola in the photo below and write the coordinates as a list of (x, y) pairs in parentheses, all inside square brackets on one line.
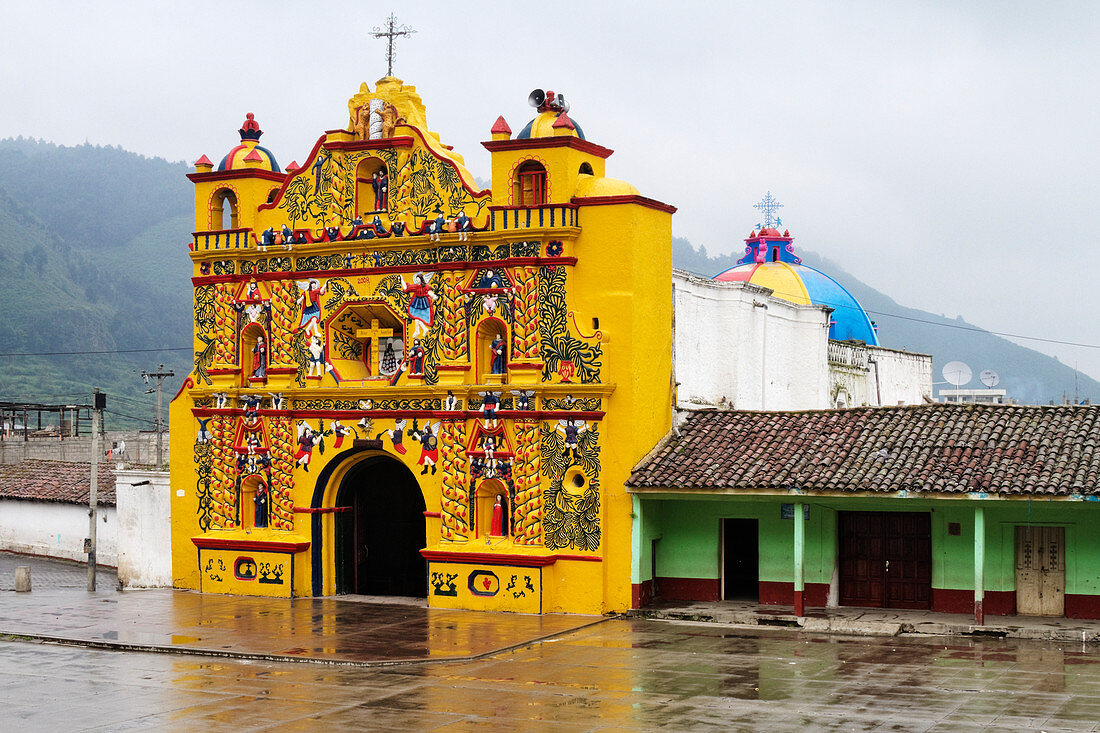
[(392, 31), (768, 206)]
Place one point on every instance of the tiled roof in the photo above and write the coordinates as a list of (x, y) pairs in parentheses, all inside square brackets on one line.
[(57, 481), (927, 448)]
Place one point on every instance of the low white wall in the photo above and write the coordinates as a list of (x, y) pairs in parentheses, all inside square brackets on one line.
[(904, 378), (51, 529), (144, 529)]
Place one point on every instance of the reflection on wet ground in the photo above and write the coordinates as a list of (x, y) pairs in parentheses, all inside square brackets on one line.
[(331, 629), (618, 675)]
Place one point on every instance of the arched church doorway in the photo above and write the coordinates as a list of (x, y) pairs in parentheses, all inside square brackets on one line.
[(381, 532)]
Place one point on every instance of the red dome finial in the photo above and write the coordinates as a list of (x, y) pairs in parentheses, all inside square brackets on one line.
[(250, 130)]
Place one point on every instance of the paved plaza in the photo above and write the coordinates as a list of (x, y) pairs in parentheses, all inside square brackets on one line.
[(173, 660)]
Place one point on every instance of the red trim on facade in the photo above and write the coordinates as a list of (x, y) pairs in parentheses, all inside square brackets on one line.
[(961, 600), (433, 515), (775, 593), (437, 267), (320, 509), (565, 141), (238, 173), (214, 543), (624, 199), (487, 558), (187, 384), (1082, 606), (290, 176), (689, 589), (641, 594)]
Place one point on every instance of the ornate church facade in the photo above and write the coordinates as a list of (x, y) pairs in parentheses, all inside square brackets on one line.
[(406, 385)]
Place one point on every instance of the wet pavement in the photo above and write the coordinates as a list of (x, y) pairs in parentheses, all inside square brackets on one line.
[(621, 675), (52, 573), (876, 621), (177, 660), (300, 629)]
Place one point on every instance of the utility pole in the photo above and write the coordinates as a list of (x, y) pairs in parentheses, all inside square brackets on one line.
[(160, 376), (99, 402)]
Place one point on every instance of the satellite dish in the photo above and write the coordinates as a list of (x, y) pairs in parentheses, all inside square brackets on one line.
[(957, 373), (989, 378), (536, 98)]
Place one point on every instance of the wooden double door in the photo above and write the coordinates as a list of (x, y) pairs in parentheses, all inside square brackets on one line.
[(885, 559), (1040, 571)]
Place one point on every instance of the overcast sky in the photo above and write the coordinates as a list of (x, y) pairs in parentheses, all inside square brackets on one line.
[(945, 153)]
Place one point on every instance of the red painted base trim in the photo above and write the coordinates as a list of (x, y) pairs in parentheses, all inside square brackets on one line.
[(211, 543), (688, 589), (954, 600), (321, 509), (774, 593), (488, 558), (1082, 606), (641, 594)]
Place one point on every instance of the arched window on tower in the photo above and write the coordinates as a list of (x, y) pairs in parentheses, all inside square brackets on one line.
[(529, 188), (585, 169), (223, 210)]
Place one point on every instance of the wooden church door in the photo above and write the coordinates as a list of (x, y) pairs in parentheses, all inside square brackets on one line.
[(1040, 571)]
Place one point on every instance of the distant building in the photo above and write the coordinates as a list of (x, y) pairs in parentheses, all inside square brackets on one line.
[(975, 396), (774, 334)]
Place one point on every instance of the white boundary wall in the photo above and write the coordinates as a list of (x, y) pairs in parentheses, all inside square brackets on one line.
[(144, 529), (53, 529)]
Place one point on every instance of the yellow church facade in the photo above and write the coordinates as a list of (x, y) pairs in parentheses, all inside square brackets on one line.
[(406, 385)]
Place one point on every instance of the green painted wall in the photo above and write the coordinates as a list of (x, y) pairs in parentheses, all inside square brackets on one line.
[(688, 534)]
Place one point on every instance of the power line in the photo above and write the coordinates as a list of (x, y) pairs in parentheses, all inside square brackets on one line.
[(976, 329), (88, 353), (132, 417)]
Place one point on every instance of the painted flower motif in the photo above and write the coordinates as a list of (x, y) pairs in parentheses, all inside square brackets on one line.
[(554, 249), (566, 370)]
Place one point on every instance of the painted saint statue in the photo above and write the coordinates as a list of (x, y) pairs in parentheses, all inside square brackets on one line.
[(497, 353), (310, 299), (497, 527), (259, 360), (421, 302)]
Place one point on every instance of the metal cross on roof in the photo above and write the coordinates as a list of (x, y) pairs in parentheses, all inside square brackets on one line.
[(392, 31), (768, 206)]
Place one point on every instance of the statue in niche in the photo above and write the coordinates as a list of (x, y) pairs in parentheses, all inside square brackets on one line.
[(259, 359), (380, 182), (260, 499), (497, 527), (392, 354), (498, 353)]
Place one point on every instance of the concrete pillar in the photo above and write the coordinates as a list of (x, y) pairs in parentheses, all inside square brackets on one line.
[(979, 565), (23, 579), (799, 544)]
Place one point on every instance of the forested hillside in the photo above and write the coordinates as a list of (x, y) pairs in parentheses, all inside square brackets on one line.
[(93, 242)]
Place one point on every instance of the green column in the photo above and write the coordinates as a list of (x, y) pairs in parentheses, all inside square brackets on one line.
[(979, 564), (799, 544), (637, 542)]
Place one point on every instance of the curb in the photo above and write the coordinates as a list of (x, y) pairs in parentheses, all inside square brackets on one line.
[(122, 646), (828, 625)]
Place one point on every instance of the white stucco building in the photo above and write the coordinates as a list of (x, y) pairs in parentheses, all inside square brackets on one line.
[(773, 334)]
